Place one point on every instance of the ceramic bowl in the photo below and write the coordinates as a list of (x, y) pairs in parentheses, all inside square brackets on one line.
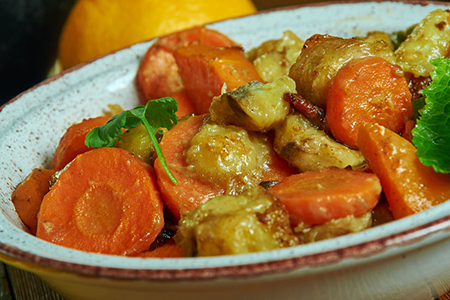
[(407, 258)]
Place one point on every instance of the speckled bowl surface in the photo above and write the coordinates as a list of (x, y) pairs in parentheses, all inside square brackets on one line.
[(405, 259)]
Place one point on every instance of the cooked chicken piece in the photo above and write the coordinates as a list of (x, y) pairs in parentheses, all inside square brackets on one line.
[(254, 106), (251, 222), (274, 58), (323, 56), (308, 148), (333, 228), (228, 156), (373, 36), (430, 39)]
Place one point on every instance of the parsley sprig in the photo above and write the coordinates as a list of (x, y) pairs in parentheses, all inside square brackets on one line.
[(156, 114), (431, 136)]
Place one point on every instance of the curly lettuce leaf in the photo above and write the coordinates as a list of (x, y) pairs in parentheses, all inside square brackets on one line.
[(431, 136)]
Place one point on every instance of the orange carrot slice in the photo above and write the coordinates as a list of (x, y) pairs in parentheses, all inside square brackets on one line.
[(105, 201), (410, 187), (28, 195), (157, 75), (407, 132), (204, 70), (278, 168), (330, 193), (72, 142), (196, 35), (369, 90), (185, 104), (190, 191)]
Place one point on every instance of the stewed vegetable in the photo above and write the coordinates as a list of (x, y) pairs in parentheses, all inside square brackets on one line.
[(291, 142)]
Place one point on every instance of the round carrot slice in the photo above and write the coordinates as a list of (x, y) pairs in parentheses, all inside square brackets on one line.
[(330, 193), (370, 90), (105, 201)]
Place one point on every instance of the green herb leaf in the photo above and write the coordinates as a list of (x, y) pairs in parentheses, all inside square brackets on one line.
[(161, 113), (156, 114), (108, 134), (418, 104), (431, 136)]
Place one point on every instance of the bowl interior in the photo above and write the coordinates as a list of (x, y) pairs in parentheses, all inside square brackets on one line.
[(32, 124)]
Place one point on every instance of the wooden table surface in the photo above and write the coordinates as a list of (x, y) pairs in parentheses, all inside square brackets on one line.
[(16, 284)]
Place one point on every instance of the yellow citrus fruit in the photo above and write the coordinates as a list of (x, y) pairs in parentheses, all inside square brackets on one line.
[(97, 27)]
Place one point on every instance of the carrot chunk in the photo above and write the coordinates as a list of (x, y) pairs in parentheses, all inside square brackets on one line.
[(204, 70), (407, 132), (105, 201), (185, 104), (410, 187), (278, 168), (72, 142), (190, 191), (330, 193), (368, 90), (157, 75), (196, 35), (28, 195)]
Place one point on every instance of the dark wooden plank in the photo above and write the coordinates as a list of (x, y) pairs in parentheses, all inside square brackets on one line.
[(5, 291), (28, 286)]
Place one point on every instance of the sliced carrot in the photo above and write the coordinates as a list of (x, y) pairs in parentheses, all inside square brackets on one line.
[(168, 250), (204, 70), (407, 132), (330, 193), (72, 142), (278, 168), (190, 191), (367, 90), (410, 187), (105, 201), (28, 195), (157, 75), (196, 35)]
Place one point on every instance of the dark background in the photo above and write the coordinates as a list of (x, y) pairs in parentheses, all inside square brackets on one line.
[(29, 31)]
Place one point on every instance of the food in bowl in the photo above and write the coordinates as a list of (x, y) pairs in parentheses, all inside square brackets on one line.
[(320, 133)]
